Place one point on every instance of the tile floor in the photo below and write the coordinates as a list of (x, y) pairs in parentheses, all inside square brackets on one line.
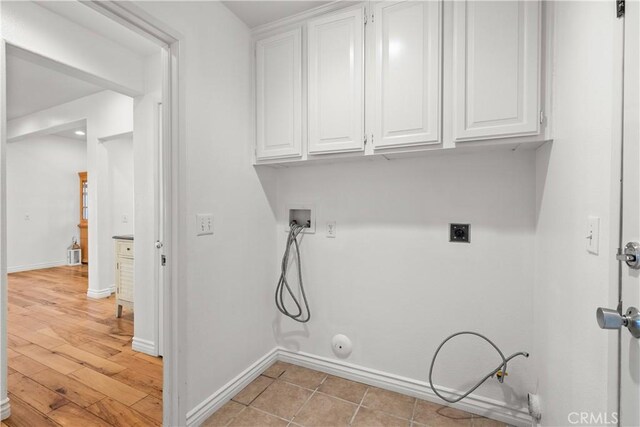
[(290, 395)]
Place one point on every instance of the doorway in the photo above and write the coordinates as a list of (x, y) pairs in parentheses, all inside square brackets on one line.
[(154, 257)]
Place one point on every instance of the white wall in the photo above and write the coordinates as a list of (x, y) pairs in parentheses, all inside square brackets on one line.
[(43, 185), (575, 368), (227, 322), (393, 282), (121, 191), (118, 199)]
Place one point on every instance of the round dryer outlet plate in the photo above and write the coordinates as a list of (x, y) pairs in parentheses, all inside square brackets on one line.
[(342, 345)]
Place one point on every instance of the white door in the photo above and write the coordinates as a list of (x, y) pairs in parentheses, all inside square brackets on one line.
[(279, 96), (496, 69), (336, 83), (407, 73), (630, 278)]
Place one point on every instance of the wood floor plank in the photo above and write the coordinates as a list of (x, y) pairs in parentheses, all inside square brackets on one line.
[(64, 335), (89, 360), (23, 415), (150, 407), (119, 415), (72, 415), (34, 394), (14, 341), (26, 365), (131, 361), (109, 386), (47, 358), (34, 337), (73, 390), (150, 359), (98, 349), (142, 382)]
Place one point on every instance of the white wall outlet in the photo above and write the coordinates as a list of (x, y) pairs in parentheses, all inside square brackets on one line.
[(27, 217), (331, 229), (593, 234), (204, 224)]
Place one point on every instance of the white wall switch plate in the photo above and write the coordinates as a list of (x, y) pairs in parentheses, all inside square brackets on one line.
[(593, 234), (204, 224), (331, 229)]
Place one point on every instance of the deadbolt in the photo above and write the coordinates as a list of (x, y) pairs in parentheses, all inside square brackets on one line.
[(630, 255)]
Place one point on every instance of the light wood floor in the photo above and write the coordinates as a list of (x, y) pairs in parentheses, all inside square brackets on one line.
[(70, 359)]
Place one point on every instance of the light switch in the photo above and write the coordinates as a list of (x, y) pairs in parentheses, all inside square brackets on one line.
[(331, 229), (593, 234), (204, 224)]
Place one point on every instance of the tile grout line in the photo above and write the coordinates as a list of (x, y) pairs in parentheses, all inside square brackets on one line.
[(308, 399), (413, 413), (359, 406)]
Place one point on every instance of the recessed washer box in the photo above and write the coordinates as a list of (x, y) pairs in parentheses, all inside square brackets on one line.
[(302, 214)]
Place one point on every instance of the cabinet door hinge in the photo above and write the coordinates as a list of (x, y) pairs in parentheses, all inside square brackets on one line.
[(163, 260), (371, 139), (365, 139), (541, 116), (365, 16), (620, 8)]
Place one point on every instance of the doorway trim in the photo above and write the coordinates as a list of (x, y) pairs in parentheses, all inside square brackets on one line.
[(173, 183)]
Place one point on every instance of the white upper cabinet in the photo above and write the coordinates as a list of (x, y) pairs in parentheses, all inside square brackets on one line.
[(496, 66), (279, 96), (336, 83), (407, 73)]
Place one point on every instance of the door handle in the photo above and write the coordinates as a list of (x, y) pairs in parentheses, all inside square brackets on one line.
[(611, 319), (630, 255)]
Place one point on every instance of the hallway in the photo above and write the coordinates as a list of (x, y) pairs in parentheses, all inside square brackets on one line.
[(70, 358)]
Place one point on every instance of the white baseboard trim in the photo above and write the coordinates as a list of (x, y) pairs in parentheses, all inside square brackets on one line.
[(204, 410), (5, 409), (473, 403), (39, 266), (102, 293), (144, 346)]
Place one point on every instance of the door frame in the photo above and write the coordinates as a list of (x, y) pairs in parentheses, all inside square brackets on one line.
[(173, 189)]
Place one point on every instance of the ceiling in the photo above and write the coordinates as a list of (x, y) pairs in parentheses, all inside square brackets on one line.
[(33, 87), (71, 133), (255, 13), (93, 21)]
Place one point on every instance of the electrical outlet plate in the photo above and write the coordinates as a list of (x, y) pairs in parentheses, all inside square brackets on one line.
[(460, 233), (204, 224)]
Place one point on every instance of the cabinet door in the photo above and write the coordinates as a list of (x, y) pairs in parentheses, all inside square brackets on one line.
[(496, 69), (407, 73), (279, 96), (336, 83)]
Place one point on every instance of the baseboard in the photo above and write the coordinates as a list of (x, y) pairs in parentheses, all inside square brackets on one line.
[(204, 410), (473, 403), (102, 293), (144, 346), (5, 409), (39, 266)]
